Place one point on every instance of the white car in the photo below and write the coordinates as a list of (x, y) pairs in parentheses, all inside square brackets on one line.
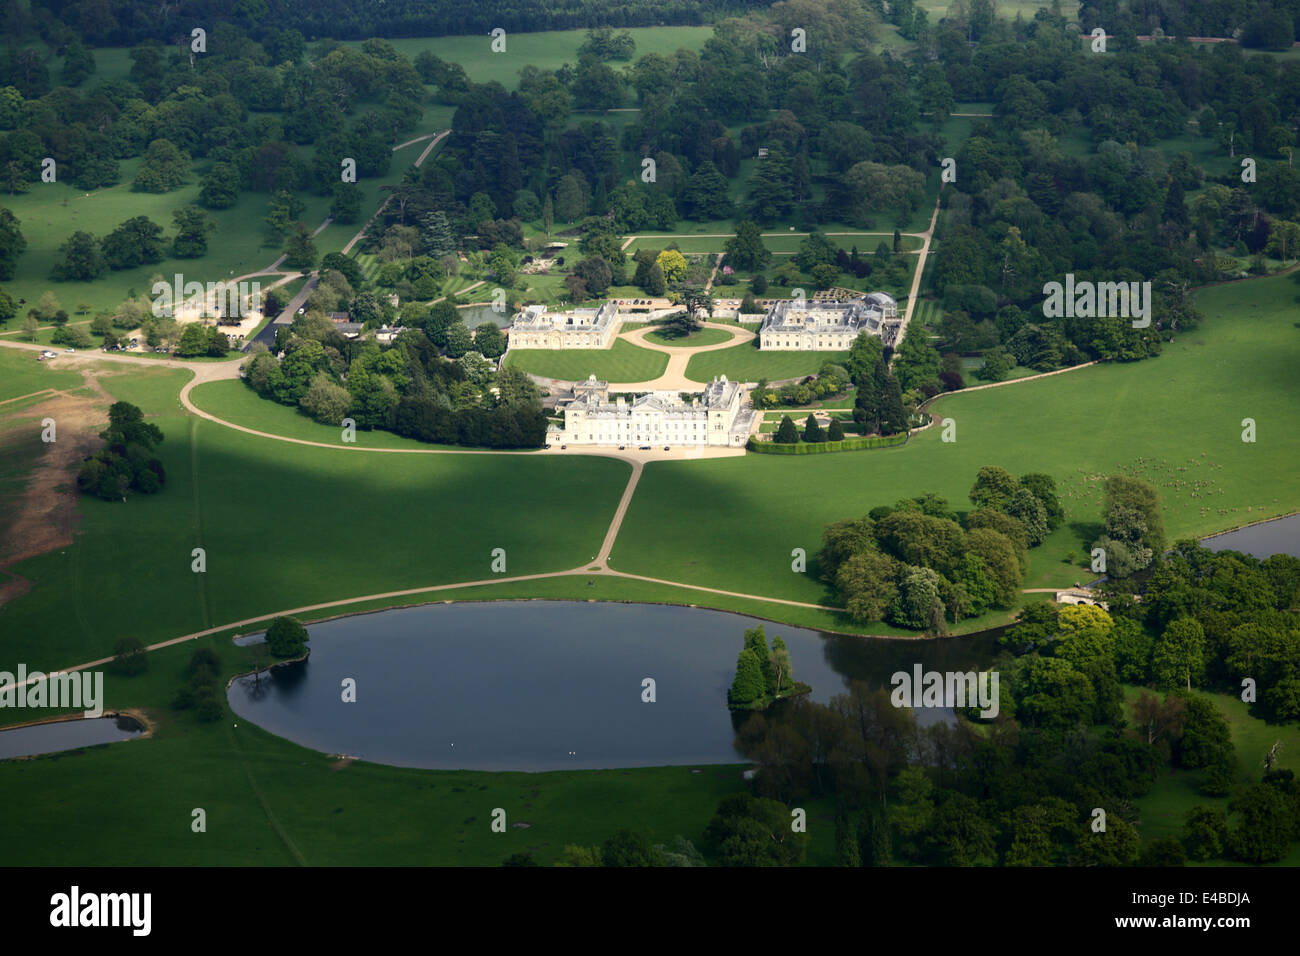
[(48, 354), (69, 349)]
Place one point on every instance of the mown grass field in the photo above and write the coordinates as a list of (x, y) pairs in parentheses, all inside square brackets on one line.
[(21, 374), (1174, 420), (621, 362)]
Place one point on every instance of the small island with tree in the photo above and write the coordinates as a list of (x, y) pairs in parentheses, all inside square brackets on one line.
[(763, 676), (287, 637)]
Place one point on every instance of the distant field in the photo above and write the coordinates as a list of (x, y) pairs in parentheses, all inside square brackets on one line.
[(778, 245), (50, 212), (622, 362), (1009, 9), (547, 51)]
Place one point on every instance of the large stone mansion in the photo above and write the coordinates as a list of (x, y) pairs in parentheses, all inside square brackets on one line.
[(819, 326), (715, 417), (536, 328)]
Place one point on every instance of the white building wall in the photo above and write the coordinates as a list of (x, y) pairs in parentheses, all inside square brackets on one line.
[(647, 425)]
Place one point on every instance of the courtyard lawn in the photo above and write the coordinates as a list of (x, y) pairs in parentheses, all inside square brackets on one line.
[(747, 363), (287, 525), (21, 374), (1174, 420), (621, 362), (694, 340)]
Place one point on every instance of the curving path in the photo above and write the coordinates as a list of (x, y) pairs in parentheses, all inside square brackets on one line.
[(1009, 381), (674, 378)]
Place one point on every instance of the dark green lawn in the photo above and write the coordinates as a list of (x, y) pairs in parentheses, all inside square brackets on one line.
[(287, 525)]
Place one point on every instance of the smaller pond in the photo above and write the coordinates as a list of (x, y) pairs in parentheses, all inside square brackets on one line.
[(476, 315), (1279, 536), (66, 735)]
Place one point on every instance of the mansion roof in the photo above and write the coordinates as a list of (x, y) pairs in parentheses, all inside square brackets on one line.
[(865, 314), (535, 318), (594, 401)]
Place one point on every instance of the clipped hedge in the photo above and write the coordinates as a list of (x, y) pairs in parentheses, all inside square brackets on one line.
[(821, 447)]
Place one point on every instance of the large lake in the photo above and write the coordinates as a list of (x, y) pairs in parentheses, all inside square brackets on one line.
[(547, 685), (1279, 536)]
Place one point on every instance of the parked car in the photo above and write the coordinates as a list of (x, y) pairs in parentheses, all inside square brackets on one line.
[(621, 447), (563, 447), (667, 448), (48, 354), (69, 349), (644, 448)]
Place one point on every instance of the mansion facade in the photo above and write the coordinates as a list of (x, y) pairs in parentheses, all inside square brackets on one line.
[(715, 417), (820, 326), (536, 328)]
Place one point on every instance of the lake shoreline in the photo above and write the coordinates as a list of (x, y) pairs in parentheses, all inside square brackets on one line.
[(139, 716), (901, 638)]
